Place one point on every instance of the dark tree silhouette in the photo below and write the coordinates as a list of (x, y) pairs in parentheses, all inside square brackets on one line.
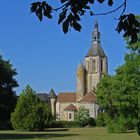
[(7, 95), (71, 12)]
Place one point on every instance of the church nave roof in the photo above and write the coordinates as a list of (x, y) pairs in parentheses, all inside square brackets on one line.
[(89, 97), (67, 97)]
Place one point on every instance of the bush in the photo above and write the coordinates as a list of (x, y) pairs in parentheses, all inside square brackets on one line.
[(30, 114), (69, 124), (117, 125), (121, 124), (91, 122), (101, 119), (82, 116)]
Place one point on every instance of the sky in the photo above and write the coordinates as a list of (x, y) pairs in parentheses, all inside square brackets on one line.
[(44, 56)]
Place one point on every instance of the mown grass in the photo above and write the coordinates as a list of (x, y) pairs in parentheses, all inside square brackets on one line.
[(70, 134)]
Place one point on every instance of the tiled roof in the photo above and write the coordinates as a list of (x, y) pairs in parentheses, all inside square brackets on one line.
[(66, 97), (43, 97), (89, 97), (71, 107)]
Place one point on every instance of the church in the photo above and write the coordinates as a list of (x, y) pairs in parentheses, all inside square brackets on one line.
[(89, 74)]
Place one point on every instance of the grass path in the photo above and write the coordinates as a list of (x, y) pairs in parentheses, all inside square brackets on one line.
[(69, 134)]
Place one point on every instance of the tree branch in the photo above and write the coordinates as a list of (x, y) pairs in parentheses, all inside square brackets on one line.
[(58, 8), (110, 12)]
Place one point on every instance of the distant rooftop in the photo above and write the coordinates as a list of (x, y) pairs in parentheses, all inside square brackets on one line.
[(43, 97)]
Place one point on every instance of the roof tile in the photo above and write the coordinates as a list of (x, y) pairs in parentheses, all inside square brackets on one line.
[(67, 97), (71, 107), (89, 97)]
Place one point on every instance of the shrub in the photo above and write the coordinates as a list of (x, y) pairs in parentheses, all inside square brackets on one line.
[(101, 119), (82, 116), (121, 124), (69, 124), (91, 121), (117, 125)]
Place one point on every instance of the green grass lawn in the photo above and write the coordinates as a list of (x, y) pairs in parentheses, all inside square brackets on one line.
[(70, 134)]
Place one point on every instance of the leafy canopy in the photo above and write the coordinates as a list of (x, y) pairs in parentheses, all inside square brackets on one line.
[(71, 12)]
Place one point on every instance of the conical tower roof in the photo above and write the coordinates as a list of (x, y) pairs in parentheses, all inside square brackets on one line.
[(52, 94)]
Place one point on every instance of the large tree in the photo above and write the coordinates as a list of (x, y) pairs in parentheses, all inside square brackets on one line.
[(71, 12), (7, 94), (31, 114), (118, 94)]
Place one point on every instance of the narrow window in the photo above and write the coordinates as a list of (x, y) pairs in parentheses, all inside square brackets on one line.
[(101, 65), (94, 66), (70, 116)]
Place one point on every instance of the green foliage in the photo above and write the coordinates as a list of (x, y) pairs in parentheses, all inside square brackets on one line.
[(116, 125), (69, 124), (31, 114), (7, 95), (71, 12), (63, 124), (118, 94), (121, 124), (51, 121), (72, 124), (82, 116), (91, 121), (101, 119)]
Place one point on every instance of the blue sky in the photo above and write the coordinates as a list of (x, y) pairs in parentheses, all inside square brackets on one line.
[(44, 56)]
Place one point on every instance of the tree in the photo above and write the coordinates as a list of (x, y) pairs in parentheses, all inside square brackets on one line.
[(7, 94), (82, 116), (31, 114), (121, 100), (71, 12), (105, 95)]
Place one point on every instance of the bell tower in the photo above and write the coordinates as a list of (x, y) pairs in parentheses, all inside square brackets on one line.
[(95, 61)]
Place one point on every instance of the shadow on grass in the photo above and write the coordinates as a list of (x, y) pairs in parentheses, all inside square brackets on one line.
[(56, 129), (30, 136)]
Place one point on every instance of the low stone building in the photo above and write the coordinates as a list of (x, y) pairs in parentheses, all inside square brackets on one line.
[(89, 74)]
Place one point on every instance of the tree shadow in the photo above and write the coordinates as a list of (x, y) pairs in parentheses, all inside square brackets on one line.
[(31, 136), (56, 129)]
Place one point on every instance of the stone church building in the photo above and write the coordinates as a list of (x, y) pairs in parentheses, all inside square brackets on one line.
[(89, 74)]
